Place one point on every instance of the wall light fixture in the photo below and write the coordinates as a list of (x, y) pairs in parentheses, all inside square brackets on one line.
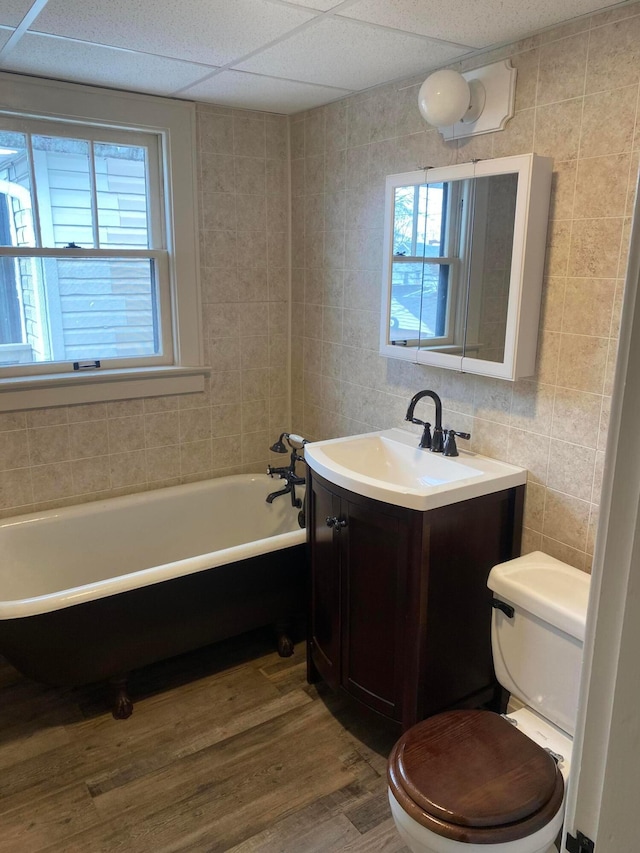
[(478, 101)]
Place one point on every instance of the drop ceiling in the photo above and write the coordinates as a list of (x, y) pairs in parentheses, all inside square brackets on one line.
[(275, 55)]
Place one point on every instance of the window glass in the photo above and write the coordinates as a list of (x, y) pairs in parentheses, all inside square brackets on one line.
[(64, 191), (75, 309), (121, 190), (84, 280), (420, 273), (16, 216)]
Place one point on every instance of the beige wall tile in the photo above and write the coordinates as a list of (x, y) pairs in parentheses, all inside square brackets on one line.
[(52, 481), (88, 438), (608, 122), (582, 362), (195, 457), (557, 129), (91, 475), (14, 450), (127, 469), (162, 463), (49, 444), (534, 506), (161, 429), (530, 451), (563, 189), (16, 489), (126, 433), (601, 186), (563, 66), (595, 248), (588, 306), (571, 469), (566, 519), (552, 304), (576, 416), (561, 551), (614, 55)]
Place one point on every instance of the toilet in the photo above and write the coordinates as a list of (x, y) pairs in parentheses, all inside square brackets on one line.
[(473, 781)]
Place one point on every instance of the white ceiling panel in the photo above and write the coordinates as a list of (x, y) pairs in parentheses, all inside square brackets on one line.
[(320, 5), (248, 91), (13, 11), (75, 61), (276, 55), (210, 31), (470, 22), (5, 35), (337, 52)]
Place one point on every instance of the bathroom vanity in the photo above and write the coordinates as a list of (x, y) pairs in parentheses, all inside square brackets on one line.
[(400, 610)]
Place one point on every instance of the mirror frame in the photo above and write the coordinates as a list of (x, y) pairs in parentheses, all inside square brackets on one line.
[(527, 264)]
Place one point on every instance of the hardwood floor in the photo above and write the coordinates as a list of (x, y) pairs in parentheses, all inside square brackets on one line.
[(228, 749)]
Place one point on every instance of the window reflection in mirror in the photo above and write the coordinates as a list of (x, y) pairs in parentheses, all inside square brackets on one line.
[(446, 235), (426, 243)]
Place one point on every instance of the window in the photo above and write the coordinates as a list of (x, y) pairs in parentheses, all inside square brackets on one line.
[(98, 275)]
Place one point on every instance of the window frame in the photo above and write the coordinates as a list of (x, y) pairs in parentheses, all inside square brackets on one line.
[(173, 124)]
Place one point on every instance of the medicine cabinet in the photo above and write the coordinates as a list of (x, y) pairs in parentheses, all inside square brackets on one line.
[(463, 265)]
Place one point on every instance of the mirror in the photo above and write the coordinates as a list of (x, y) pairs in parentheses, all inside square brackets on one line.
[(464, 253)]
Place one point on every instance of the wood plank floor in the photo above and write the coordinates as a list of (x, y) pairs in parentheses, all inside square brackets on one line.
[(228, 749)]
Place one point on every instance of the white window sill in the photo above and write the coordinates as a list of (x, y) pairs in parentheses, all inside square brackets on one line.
[(67, 389)]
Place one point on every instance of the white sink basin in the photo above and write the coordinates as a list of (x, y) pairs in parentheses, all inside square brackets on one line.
[(389, 466)]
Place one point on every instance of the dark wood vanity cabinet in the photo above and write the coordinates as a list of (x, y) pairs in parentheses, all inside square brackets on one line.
[(400, 610)]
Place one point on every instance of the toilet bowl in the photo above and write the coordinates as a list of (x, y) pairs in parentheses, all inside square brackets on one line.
[(473, 781)]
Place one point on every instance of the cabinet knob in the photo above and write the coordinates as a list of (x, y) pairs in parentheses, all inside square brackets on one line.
[(335, 522)]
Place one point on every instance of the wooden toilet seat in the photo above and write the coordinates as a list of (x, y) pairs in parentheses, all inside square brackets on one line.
[(473, 777)]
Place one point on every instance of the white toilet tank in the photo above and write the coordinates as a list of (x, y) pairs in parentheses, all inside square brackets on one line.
[(537, 652)]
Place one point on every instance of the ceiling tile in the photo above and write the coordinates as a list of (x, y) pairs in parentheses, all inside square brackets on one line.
[(247, 91), (13, 11), (210, 31), (5, 35), (320, 5), (79, 62), (477, 23), (337, 52)]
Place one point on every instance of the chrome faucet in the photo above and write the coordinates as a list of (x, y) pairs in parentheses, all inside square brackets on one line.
[(435, 443)]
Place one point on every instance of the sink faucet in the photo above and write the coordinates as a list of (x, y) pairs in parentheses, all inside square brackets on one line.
[(435, 443)]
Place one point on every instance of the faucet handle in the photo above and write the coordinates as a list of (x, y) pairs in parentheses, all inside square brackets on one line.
[(450, 446)]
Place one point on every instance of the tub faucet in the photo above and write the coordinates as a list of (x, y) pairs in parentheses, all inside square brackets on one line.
[(434, 443), (288, 472)]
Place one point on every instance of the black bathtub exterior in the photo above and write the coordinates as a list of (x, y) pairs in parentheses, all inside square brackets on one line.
[(107, 637)]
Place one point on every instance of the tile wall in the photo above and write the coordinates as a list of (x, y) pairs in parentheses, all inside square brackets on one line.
[(576, 101), (50, 457)]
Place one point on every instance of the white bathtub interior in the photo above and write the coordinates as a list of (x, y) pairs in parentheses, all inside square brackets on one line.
[(61, 557)]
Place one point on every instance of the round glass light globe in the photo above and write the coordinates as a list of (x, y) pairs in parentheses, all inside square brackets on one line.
[(444, 98)]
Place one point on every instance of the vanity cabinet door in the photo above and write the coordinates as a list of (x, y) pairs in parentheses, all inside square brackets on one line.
[(374, 562), (324, 622)]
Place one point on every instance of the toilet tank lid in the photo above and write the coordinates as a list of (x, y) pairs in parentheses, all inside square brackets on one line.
[(547, 588)]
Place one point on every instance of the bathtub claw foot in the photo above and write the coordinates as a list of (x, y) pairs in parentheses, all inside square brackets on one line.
[(285, 644), (121, 704)]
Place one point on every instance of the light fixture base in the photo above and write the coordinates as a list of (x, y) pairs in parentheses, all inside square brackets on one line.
[(499, 83)]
